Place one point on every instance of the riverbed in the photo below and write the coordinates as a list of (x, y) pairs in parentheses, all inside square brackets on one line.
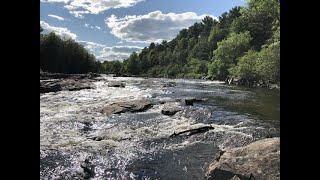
[(138, 145)]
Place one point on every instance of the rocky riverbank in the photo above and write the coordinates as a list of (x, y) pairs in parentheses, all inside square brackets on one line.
[(253, 84), (53, 82)]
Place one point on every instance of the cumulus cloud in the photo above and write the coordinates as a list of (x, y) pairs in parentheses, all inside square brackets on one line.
[(152, 27), (56, 17), (55, 1), (60, 31), (80, 7), (105, 53), (92, 46), (117, 53)]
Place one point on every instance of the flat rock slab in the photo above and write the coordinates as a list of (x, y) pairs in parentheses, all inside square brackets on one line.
[(127, 106), (258, 160), (64, 84)]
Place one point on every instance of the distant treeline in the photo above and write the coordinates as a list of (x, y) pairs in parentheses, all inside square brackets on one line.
[(244, 44), (65, 56)]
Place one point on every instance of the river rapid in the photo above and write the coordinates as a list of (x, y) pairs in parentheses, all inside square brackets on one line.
[(137, 145)]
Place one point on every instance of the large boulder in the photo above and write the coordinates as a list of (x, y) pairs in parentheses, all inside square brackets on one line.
[(64, 85), (51, 86), (258, 160), (127, 106), (75, 85)]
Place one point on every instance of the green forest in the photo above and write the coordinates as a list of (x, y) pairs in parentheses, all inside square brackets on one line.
[(65, 56), (243, 46)]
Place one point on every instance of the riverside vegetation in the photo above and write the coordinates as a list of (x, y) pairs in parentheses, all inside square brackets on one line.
[(242, 47)]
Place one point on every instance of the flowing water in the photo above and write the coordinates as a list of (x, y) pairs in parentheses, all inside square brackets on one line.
[(137, 145)]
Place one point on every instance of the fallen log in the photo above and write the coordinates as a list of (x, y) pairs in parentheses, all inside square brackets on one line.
[(193, 131)]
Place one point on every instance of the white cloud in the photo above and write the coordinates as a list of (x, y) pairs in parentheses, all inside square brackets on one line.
[(56, 17), (98, 27), (86, 25), (105, 53), (79, 14), (117, 53), (80, 7), (153, 27), (92, 46), (55, 1), (60, 31)]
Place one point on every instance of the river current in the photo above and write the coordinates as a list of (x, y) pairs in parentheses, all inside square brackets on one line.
[(137, 145)]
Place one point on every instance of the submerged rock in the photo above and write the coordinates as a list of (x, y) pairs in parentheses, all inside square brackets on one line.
[(170, 111), (127, 106), (169, 84), (116, 84), (190, 101), (258, 160), (191, 132)]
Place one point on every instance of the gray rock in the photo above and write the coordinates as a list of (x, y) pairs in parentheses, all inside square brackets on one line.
[(64, 84), (127, 106), (116, 84), (46, 87), (169, 84), (190, 101), (170, 111), (258, 160)]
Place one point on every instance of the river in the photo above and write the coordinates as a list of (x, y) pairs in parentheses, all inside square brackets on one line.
[(137, 145)]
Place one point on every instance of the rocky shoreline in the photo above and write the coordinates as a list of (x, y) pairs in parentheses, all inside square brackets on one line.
[(53, 82), (240, 82)]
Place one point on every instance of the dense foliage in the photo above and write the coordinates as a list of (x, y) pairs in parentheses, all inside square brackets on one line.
[(243, 44), (65, 55)]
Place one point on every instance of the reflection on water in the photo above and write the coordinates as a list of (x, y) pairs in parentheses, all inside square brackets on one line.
[(137, 145)]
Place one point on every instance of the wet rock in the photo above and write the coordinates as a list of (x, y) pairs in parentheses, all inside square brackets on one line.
[(88, 169), (127, 106), (169, 84), (170, 111), (46, 75), (190, 101), (75, 85), (46, 87), (258, 160), (64, 85), (193, 131), (116, 84)]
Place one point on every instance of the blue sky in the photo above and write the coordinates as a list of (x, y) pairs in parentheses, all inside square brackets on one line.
[(112, 29)]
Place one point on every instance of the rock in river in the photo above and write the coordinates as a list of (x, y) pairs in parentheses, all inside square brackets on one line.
[(258, 160), (190, 101), (170, 111), (127, 106), (64, 84), (116, 84)]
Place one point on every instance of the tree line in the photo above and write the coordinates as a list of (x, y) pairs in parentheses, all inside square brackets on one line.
[(62, 55), (243, 44)]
